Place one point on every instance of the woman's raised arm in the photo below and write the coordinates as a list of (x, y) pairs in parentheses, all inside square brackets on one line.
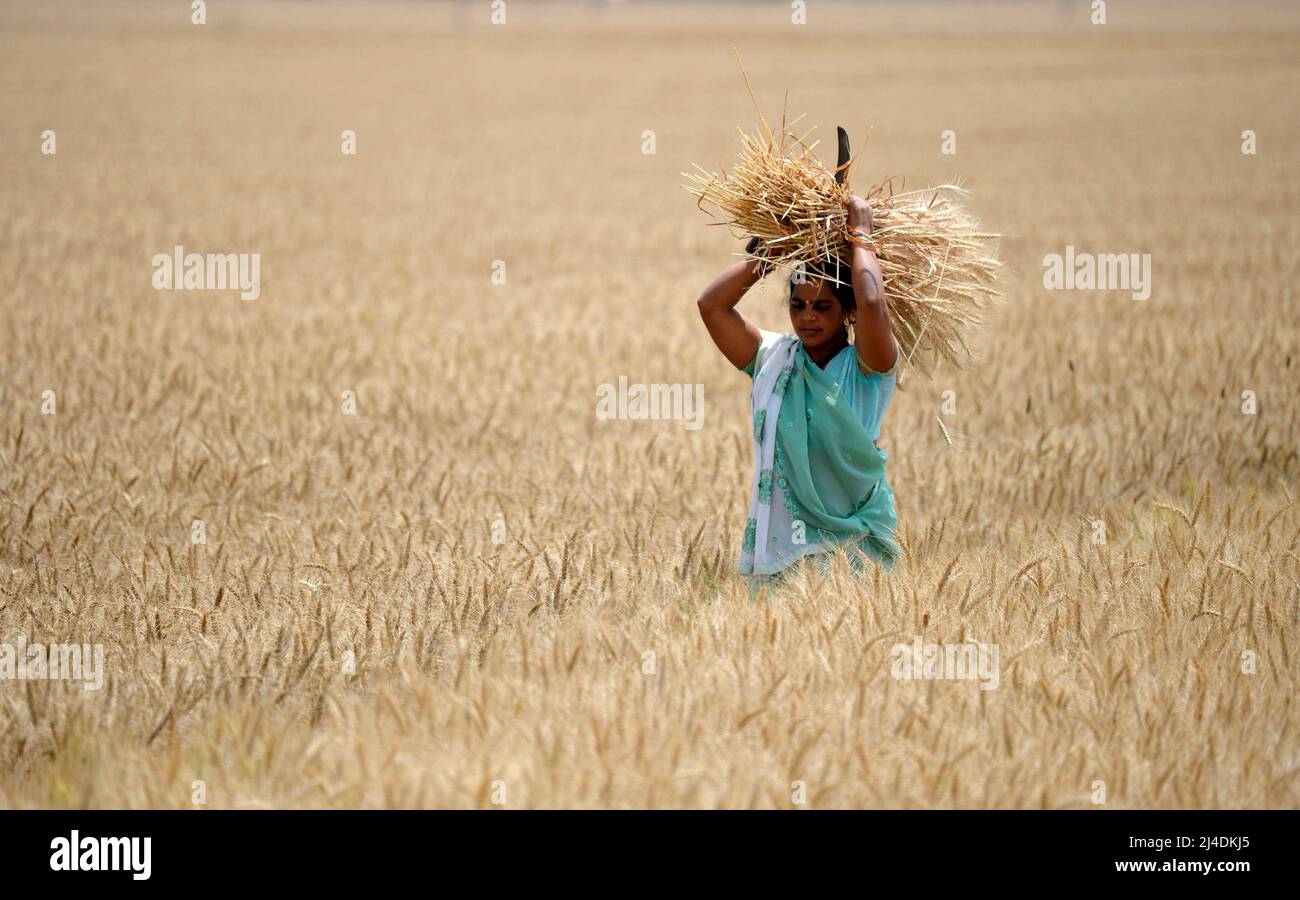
[(737, 337), (873, 337)]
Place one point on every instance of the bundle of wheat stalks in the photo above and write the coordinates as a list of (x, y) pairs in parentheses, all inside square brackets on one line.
[(938, 270)]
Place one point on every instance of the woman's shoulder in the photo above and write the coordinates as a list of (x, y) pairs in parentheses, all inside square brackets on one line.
[(867, 372), (847, 362), (890, 373), (768, 341)]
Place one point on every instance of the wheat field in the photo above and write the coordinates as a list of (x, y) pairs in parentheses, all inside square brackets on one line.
[(431, 576)]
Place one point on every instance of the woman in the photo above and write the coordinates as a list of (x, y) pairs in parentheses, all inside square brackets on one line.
[(818, 398)]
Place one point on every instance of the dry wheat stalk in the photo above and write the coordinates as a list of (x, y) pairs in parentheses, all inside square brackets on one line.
[(938, 272)]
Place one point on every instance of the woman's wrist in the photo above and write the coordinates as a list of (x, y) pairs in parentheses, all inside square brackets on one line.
[(860, 237)]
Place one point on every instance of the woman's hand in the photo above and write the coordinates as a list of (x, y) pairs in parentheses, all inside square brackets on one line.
[(756, 246), (859, 214)]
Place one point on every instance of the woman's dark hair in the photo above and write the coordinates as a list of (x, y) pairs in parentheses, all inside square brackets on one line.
[(821, 271)]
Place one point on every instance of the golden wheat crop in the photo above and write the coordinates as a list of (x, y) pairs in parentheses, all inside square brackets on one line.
[(474, 592)]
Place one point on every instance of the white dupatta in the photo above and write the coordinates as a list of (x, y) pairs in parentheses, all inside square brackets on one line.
[(770, 383)]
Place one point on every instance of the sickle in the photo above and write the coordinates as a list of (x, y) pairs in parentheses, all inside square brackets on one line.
[(841, 171), (842, 167)]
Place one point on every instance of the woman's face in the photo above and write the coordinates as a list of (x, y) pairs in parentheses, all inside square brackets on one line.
[(815, 313)]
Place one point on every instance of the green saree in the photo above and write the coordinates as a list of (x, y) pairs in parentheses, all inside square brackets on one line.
[(820, 481)]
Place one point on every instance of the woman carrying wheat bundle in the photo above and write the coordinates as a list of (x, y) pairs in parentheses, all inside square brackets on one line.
[(819, 394)]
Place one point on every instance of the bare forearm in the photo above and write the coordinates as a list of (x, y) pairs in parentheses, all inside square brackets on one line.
[(873, 333), (868, 283), (725, 291)]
